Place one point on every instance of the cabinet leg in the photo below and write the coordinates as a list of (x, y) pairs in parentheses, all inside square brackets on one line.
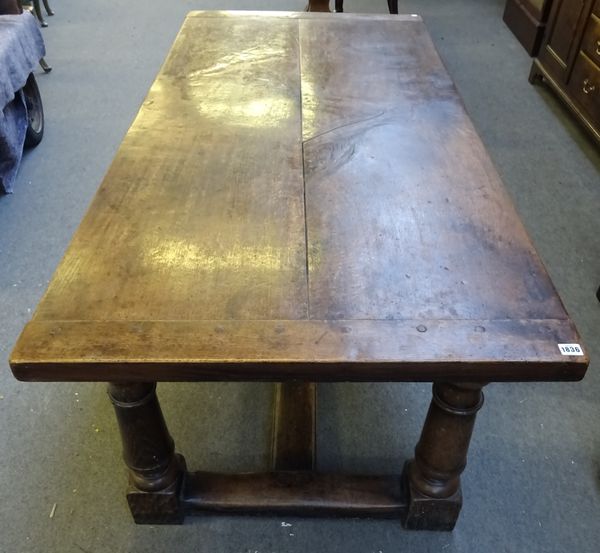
[(535, 75), (432, 478), (155, 471)]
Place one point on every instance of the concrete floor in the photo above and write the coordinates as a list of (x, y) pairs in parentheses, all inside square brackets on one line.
[(532, 483)]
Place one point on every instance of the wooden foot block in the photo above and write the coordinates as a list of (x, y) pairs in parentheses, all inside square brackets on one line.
[(161, 506), (430, 513)]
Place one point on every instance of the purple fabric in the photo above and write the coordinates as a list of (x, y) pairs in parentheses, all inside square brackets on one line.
[(13, 126), (21, 47)]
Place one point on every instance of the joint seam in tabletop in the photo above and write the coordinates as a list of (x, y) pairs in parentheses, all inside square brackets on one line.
[(307, 267), (333, 320)]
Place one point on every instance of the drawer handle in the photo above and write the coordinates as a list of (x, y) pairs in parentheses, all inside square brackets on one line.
[(598, 47), (588, 86)]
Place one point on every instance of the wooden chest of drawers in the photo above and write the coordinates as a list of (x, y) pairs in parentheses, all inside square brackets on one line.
[(527, 20), (569, 59)]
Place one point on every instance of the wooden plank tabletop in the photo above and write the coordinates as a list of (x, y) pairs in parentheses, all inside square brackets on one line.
[(300, 196)]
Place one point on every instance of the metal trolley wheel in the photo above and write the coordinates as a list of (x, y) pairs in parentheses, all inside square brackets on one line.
[(35, 113)]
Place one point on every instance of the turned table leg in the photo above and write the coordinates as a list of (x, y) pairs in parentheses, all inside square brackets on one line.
[(433, 476), (155, 471)]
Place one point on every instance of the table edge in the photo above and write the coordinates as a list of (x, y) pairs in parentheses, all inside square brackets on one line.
[(302, 15), (352, 350)]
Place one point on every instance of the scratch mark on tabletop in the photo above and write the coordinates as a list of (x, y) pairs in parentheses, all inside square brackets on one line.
[(363, 120), (320, 338)]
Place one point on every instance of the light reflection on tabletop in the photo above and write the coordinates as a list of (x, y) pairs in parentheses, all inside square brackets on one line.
[(181, 254), (231, 60), (267, 112)]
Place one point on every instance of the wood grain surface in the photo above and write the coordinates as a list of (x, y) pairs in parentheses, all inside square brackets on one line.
[(300, 196), (423, 350), (201, 213), (406, 216), (294, 438), (295, 493)]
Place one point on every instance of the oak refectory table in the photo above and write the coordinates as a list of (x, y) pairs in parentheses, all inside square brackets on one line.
[(301, 198)]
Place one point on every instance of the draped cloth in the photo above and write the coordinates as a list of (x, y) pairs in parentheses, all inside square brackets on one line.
[(21, 47)]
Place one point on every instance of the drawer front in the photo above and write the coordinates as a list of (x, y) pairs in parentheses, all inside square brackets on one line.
[(568, 18), (584, 86), (563, 37), (591, 39)]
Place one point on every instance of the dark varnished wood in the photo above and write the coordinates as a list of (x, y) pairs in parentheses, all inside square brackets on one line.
[(392, 6), (201, 219), (435, 497), (12, 7), (403, 350), (427, 496), (559, 49), (569, 60), (590, 44), (406, 216), (538, 74), (527, 20), (200, 215), (301, 198), (155, 472), (584, 85), (294, 426), (318, 6), (302, 493)]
